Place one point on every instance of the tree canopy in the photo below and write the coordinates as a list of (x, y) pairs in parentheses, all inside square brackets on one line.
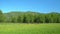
[(30, 17)]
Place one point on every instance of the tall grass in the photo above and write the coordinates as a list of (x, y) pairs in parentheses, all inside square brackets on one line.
[(11, 28)]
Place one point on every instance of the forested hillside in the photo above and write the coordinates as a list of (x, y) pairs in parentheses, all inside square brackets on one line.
[(29, 17)]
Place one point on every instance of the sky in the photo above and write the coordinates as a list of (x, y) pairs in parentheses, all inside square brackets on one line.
[(42, 6)]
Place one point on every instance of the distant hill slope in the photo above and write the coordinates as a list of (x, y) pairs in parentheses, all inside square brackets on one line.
[(21, 13)]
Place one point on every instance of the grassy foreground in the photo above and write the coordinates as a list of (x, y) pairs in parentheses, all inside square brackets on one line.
[(29, 28)]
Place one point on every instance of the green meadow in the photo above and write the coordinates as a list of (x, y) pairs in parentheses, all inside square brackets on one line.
[(16, 28)]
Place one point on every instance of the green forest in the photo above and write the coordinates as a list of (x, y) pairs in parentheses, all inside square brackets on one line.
[(29, 17)]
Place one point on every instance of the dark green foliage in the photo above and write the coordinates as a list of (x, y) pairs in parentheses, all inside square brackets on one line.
[(19, 19), (1, 16), (24, 20), (30, 17), (13, 19)]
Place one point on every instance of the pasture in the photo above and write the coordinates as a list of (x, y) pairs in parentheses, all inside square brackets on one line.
[(16, 28)]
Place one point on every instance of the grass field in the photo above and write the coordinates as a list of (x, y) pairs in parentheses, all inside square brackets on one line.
[(29, 28)]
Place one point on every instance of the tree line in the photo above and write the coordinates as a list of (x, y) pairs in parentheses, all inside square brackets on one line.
[(30, 17)]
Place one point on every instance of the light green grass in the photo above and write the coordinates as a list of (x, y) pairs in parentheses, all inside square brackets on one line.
[(29, 28)]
